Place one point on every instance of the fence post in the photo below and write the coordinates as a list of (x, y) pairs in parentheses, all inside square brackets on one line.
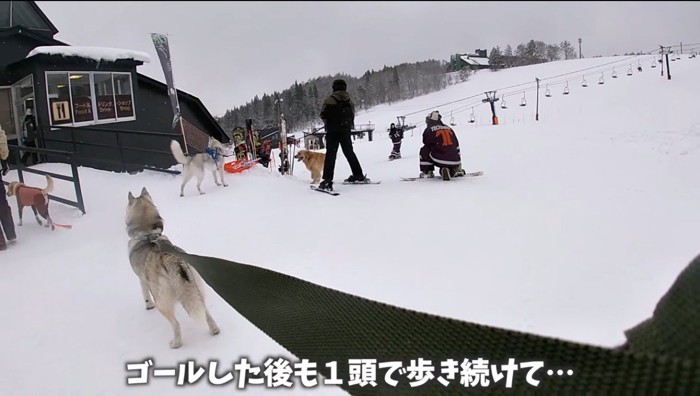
[(18, 163), (121, 152), (76, 183)]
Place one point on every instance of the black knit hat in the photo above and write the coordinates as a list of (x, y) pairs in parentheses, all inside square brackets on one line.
[(339, 85)]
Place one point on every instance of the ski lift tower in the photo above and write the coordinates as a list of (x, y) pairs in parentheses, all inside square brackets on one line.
[(401, 121), (491, 98)]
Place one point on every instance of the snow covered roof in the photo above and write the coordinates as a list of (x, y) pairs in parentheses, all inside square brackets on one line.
[(96, 53), (475, 61)]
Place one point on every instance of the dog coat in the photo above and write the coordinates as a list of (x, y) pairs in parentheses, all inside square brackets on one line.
[(32, 196)]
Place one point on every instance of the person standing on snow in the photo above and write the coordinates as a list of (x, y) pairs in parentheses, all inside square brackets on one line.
[(7, 224), (396, 135), (338, 115)]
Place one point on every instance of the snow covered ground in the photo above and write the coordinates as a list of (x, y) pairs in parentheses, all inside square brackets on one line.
[(581, 222)]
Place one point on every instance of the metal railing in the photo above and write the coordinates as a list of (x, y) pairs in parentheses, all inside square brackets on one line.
[(74, 178), (119, 150)]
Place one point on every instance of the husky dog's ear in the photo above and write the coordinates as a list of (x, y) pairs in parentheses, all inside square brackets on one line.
[(144, 192), (131, 198)]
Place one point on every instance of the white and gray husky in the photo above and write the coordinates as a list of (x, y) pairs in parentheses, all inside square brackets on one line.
[(165, 278), (195, 165)]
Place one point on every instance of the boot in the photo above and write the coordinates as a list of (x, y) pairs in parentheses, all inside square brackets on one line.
[(353, 179), (445, 172), (326, 185), (458, 171), (427, 174)]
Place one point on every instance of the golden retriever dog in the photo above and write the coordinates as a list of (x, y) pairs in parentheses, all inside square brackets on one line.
[(314, 163)]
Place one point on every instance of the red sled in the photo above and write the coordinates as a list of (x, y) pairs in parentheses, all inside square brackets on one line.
[(239, 165)]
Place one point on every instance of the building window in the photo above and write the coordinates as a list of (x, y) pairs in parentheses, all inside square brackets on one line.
[(86, 98), (59, 99), (81, 97), (122, 94), (104, 92)]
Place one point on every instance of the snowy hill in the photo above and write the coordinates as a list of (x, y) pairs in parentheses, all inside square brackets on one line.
[(581, 222)]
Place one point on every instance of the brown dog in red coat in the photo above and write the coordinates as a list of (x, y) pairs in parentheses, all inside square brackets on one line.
[(35, 197)]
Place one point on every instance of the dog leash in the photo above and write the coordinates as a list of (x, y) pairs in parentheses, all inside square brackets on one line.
[(331, 328), (67, 226)]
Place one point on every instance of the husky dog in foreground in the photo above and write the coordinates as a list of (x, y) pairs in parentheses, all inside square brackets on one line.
[(165, 279), (195, 165)]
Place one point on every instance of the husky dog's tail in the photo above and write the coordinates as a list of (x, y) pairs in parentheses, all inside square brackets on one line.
[(179, 155), (194, 301), (49, 185)]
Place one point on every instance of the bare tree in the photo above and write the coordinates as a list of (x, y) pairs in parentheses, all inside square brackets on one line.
[(568, 50), (553, 52)]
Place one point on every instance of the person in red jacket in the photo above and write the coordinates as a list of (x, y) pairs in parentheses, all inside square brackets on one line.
[(440, 148)]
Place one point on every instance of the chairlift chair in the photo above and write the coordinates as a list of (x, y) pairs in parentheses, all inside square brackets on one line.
[(503, 103), (523, 102), (452, 120), (614, 73), (629, 72), (566, 88), (472, 118), (601, 80), (653, 64), (584, 83), (547, 93)]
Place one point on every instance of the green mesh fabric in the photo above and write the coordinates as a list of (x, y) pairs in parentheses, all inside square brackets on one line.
[(674, 330), (325, 325)]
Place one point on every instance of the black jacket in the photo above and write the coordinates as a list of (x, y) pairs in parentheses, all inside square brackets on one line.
[(395, 134), (330, 106), (30, 128)]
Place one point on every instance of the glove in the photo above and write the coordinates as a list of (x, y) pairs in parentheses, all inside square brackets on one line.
[(5, 168)]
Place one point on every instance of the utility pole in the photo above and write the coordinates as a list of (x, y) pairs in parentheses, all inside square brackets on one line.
[(580, 55), (681, 48), (537, 106), (668, 66), (662, 60), (491, 98)]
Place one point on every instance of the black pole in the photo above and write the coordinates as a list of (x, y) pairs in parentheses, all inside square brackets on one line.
[(668, 67), (537, 107), (662, 60), (491, 98)]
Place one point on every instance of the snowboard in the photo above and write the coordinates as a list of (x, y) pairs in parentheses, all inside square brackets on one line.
[(470, 174), (324, 191)]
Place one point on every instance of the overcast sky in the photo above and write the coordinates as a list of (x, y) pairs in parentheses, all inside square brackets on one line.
[(227, 52)]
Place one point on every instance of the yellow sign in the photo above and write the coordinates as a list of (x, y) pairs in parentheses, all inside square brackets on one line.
[(60, 111)]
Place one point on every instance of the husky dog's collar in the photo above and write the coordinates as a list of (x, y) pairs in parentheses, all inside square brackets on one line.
[(149, 237)]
